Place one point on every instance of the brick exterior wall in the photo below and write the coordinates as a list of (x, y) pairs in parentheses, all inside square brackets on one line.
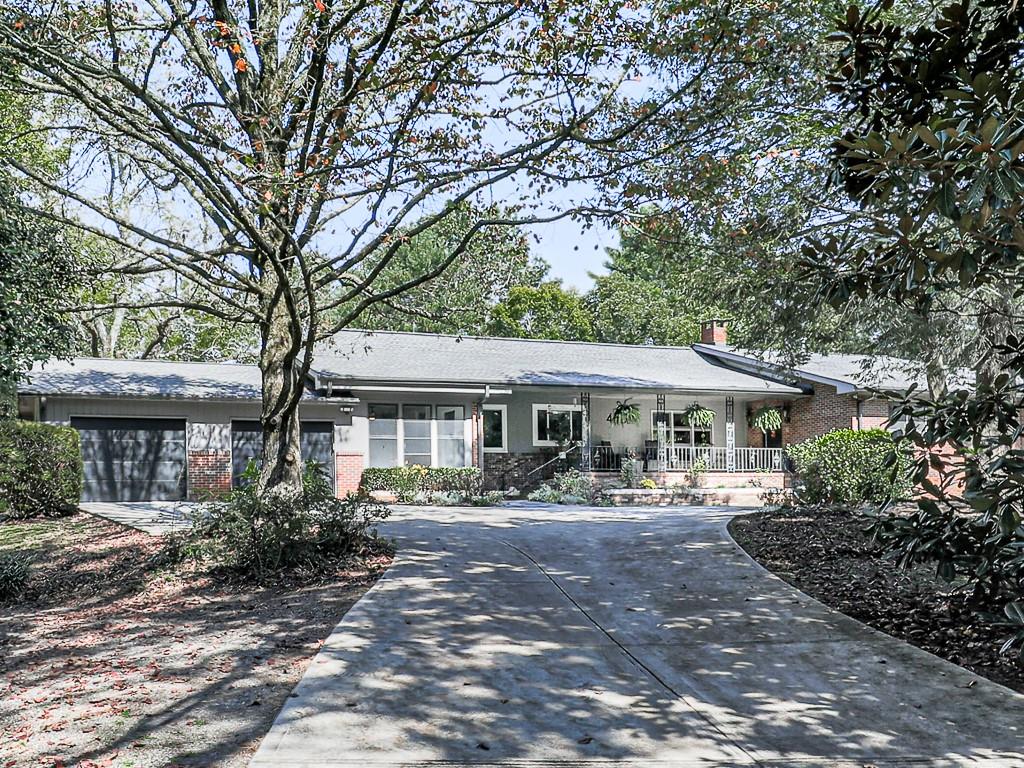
[(755, 438), (512, 470), (348, 471), (475, 426), (209, 474), (874, 414), (826, 410), (822, 412)]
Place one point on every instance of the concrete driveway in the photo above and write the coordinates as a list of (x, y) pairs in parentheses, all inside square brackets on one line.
[(528, 636), (153, 517)]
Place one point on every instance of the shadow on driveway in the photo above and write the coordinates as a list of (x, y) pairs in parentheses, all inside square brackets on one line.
[(525, 635)]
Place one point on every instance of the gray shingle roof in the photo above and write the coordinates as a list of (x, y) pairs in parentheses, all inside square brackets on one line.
[(89, 376), (850, 372), (361, 356)]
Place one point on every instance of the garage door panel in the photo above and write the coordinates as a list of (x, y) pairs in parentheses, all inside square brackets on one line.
[(316, 442), (154, 448), (130, 459)]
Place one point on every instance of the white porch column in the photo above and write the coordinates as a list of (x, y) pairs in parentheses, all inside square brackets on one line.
[(730, 435), (587, 449)]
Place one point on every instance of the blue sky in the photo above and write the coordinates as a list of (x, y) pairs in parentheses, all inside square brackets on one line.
[(573, 251)]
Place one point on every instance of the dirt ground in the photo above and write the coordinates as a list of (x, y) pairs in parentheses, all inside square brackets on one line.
[(111, 661), (827, 554)]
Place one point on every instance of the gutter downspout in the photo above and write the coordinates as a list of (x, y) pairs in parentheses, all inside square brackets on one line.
[(860, 414)]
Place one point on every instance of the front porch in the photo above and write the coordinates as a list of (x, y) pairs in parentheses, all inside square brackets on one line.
[(667, 439), (682, 458), (535, 432)]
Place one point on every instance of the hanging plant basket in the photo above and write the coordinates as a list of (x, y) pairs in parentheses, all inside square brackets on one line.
[(767, 418), (624, 413), (699, 416)]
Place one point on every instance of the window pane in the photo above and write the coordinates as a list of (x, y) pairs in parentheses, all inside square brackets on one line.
[(702, 437), (451, 452), (417, 412), (577, 425), (383, 411), (451, 429), (450, 413), (416, 429), (494, 429), (419, 459), (418, 446), (542, 425), (559, 426), (384, 428), (383, 452)]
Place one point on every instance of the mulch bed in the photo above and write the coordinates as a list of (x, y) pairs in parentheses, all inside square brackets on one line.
[(113, 661), (826, 554)]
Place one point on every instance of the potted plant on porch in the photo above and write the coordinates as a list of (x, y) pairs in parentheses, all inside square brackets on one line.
[(767, 418), (626, 413), (698, 415)]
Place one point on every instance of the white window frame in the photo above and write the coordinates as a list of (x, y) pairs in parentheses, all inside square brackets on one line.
[(670, 428), (434, 438), (504, 428), (537, 407), (467, 450)]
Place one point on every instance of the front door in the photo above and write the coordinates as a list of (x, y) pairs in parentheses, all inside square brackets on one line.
[(773, 439)]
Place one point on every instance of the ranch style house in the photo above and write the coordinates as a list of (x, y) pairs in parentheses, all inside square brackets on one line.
[(155, 430)]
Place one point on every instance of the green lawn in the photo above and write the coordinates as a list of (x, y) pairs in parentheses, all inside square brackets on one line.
[(38, 535)]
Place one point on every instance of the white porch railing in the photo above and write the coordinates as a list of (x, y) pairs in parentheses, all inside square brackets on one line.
[(758, 459), (716, 459)]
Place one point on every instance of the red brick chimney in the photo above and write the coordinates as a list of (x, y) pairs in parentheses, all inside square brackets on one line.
[(714, 332)]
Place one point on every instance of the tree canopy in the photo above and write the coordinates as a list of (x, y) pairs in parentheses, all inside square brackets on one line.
[(303, 143), (545, 311), (38, 265), (931, 165)]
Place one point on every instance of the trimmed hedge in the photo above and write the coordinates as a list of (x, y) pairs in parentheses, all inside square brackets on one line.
[(40, 469), (849, 466), (406, 482)]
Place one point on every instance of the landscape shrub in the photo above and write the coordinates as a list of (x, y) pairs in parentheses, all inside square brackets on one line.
[(460, 499), (849, 466), (406, 482), (255, 537), (40, 469), (628, 475), (14, 573), (569, 487)]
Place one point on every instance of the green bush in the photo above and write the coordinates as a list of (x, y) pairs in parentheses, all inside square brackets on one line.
[(14, 573), (406, 482), (849, 466), (569, 487), (460, 499), (40, 469), (254, 537)]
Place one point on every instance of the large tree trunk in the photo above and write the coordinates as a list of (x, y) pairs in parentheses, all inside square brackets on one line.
[(281, 368)]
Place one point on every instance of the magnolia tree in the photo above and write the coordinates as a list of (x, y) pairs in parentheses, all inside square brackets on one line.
[(266, 152)]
